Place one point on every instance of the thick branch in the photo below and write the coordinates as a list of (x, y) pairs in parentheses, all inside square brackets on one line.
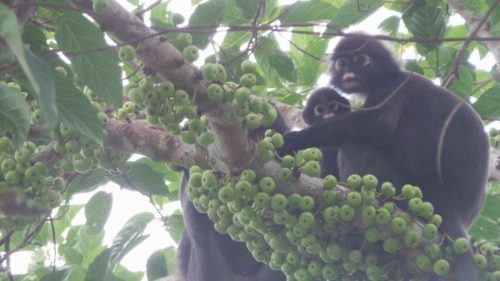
[(473, 21), (159, 145), (232, 145)]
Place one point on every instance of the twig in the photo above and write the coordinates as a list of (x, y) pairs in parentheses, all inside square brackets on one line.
[(304, 51), (460, 54), (140, 13), (7, 259), (163, 218), (54, 241)]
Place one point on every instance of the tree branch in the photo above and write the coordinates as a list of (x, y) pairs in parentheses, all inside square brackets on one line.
[(459, 57), (483, 31), (232, 146)]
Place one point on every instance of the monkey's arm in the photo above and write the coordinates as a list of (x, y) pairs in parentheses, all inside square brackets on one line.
[(362, 125)]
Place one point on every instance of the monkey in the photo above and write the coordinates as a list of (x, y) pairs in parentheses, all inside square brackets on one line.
[(204, 254), (347, 158), (435, 139)]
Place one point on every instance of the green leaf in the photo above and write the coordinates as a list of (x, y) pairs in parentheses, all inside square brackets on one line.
[(34, 68), (147, 179), (34, 37), (390, 25), (99, 268), (175, 225), (412, 65), (235, 39), (488, 105), (486, 226), (58, 275), (462, 86), (310, 11), (307, 53), (273, 60), (156, 266), (427, 22), (124, 274), (14, 114), (72, 256), (129, 236), (46, 98), (87, 182), (353, 11), (247, 8), (75, 109), (98, 209), (76, 274), (208, 14), (95, 63)]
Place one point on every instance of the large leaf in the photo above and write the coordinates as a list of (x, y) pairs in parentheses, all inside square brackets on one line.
[(87, 182), (75, 109), (159, 263), (156, 267), (95, 63), (486, 226), (122, 273), (209, 14), (129, 236), (310, 11), (99, 269), (427, 22), (353, 11), (98, 210), (14, 114), (35, 69), (34, 37), (175, 225), (248, 11), (147, 179), (488, 105), (307, 53), (58, 275), (462, 86), (273, 60), (390, 25), (144, 178)]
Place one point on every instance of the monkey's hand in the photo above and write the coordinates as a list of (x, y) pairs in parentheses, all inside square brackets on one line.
[(292, 143)]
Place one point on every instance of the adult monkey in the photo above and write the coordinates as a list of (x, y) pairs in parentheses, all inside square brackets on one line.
[(206, 255), (436, 139)]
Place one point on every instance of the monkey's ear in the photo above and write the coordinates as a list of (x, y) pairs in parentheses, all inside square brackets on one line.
[(306, 116)]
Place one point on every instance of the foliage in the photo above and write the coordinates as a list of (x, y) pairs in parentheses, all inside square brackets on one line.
[(75, 104)]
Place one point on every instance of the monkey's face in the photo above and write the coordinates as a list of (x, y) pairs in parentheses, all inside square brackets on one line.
[(353, 73), (359, 63), (324, 104)]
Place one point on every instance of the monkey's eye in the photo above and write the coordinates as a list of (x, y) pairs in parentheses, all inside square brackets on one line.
[(332, 106), (341, 63), (362, 59), (319, 110)]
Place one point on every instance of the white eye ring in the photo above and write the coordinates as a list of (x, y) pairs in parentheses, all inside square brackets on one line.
[(362, 59), (319, 110), (341, 63)]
